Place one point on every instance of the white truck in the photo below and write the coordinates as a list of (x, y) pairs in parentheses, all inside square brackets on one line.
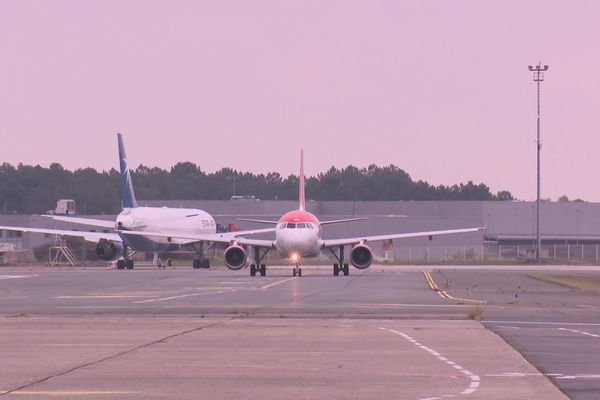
[(64, 207)]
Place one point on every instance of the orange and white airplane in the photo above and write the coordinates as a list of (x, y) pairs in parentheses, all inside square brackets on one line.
[(298, 236)]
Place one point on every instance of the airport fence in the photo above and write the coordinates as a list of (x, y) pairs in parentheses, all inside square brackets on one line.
[(567, 252)]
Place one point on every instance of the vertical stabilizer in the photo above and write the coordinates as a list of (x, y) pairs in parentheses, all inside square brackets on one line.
[(127, 193), (302, 206)]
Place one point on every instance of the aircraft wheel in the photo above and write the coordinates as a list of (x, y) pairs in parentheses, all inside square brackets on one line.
[(346, 270), (120, 264), (129, 264), (299, 271), (263, 270), (294, 272), (336, 270), (252, 270)]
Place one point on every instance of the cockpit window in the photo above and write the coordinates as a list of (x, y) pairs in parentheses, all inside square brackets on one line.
[(282, 225), (301, 225), (291, 226)]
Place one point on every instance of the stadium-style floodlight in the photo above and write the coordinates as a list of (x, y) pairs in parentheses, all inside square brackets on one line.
[(538, 76)]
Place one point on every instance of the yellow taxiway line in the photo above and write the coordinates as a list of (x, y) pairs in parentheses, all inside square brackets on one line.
[(442, 293)]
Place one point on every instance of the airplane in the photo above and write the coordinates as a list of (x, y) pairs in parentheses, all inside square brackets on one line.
[(119, 243), (298, 235)]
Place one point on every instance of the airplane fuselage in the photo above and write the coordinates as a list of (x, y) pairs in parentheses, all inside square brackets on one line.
[(298, 233), (157, 219)]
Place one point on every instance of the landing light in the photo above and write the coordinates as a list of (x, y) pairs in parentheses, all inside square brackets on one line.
[(295, 257)]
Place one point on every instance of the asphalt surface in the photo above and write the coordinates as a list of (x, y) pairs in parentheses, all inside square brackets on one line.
[(388, 331)]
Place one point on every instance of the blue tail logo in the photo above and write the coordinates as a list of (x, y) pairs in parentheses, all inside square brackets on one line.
[(127, 193)]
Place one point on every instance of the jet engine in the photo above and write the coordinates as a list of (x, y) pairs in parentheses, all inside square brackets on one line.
[(235, 257), (361, 256), (109, 250)]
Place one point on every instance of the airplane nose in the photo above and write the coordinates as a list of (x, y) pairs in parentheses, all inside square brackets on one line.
[(124, 222)]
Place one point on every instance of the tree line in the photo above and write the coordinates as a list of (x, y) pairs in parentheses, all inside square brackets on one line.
[(35, 189)]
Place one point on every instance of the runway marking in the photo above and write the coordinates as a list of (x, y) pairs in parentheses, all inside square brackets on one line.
[(578, 376), (442, 293), (580, 332), (475, 379), (84, 344), (15, 276), (543, 323), (182, 296), (102, 296), (278, 282), (68, 392), (516, 375)]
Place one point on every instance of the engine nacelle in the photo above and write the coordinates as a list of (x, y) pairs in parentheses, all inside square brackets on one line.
[(235, 257), (361, 256), (109, 250)]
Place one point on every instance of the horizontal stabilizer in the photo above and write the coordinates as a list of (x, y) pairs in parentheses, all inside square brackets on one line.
[(341, 221)]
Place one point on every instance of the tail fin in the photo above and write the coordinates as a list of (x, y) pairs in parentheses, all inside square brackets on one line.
[(127, 193), (302, 206)]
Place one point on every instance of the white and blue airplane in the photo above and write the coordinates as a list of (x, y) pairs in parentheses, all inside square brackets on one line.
[(169, 228)]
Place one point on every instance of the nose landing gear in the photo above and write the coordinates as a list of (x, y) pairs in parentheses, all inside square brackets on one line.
[(297, 271)]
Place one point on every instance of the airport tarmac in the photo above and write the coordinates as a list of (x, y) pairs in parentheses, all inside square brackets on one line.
[(388, 331)]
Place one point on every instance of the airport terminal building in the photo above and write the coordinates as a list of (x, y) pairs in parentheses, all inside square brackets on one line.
[(569, 229)]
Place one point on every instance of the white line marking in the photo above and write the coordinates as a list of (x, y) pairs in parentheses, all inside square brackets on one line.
[(475, 379), (517, 375), (278, 282), (579, 376), (542, 323), (581, 332), (102, 296), (16, 276), (183, 296)]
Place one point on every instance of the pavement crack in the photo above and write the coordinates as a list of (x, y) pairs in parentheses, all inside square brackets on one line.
[(113, 356)]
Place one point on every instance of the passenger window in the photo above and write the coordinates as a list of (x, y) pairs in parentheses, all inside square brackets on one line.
[(291, 226)]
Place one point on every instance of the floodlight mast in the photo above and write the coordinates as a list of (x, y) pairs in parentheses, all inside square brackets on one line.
[(538, 76)]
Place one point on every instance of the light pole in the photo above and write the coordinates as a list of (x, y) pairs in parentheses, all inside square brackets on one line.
[(538, 76), (232, 178)]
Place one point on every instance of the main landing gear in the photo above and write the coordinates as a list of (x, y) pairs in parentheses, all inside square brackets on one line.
[(126, 262), (201, 263), (199, 260), (261, 269), (340, 265), (256, 266)]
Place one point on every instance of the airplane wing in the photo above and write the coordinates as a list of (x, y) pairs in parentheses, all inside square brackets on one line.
[(88, 236), (258, 221), (84, 221), (364, 239), (225, 237)]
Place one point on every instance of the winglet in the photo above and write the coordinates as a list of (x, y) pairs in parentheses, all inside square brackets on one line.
[(302, 205), (127, 193)]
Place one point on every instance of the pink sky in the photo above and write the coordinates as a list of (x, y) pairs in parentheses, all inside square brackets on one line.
[(439, 88)]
